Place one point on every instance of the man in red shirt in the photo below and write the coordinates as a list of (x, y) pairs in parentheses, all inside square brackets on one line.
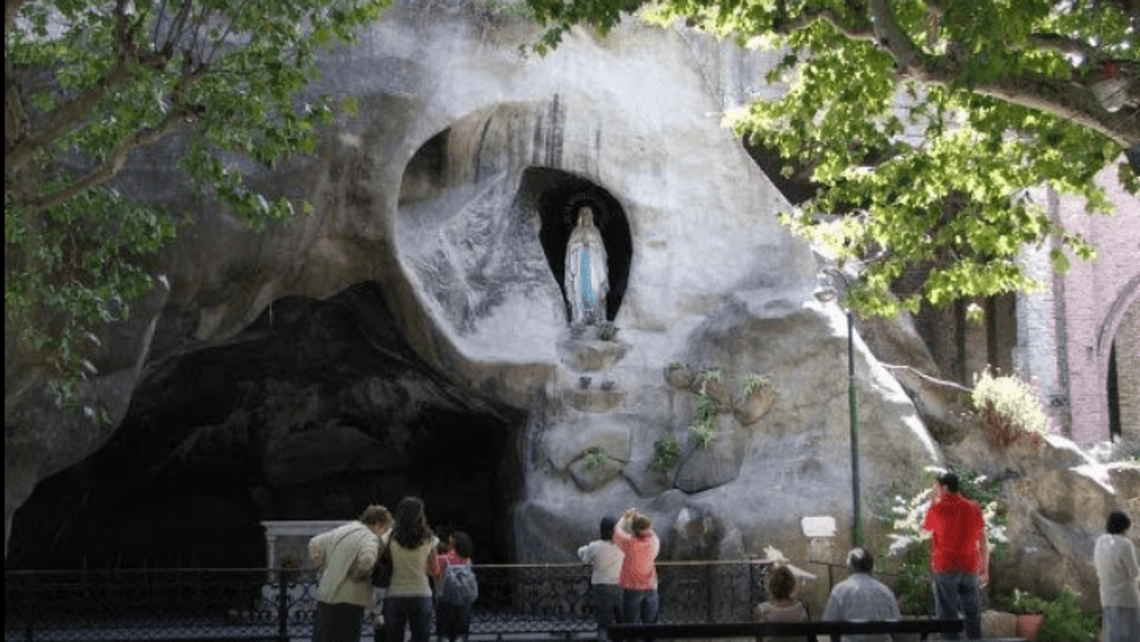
[(959, 556)]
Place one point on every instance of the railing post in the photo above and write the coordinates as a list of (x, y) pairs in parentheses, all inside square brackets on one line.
[(282, 607), (709, 593)]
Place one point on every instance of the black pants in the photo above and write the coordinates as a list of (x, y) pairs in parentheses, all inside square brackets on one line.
[(338, 622)]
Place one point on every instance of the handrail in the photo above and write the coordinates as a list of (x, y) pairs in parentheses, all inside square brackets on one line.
[(809, 630), (514, 599)]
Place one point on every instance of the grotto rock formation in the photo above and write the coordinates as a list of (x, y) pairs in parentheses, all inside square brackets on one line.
[(451, 189)]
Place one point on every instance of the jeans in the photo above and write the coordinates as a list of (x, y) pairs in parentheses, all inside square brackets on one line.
[(956, 593), (412, 611), (640, 607), (606, 602), (1121, 624)]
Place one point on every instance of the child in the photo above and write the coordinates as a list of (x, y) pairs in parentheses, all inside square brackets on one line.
[(458, 590)]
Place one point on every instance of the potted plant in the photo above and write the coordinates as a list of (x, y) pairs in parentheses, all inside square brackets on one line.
[(1030, 612), (756, 398)]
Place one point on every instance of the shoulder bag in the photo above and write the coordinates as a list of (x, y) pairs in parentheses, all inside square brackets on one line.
[(382, 572)]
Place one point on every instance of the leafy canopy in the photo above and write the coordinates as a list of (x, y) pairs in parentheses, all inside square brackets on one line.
[(86, 84), (921, 127)]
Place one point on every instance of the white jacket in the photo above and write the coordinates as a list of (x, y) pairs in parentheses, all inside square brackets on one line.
[(344, 558)]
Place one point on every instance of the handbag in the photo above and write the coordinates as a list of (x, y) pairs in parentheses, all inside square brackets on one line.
[(382, 571)]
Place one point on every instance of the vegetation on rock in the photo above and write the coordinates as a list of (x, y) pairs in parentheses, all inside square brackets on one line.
[(754, 382), (704, 428), (1009, 410), (665, 453)]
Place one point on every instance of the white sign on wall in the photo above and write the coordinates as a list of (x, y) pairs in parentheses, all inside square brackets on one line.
[(823, 526)]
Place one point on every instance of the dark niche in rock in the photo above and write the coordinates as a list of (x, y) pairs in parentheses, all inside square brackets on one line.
[(314, 411), (558, 196)]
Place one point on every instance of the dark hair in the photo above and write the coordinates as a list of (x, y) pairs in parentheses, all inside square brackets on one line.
[(781, 582), (949, 481), (607, 527), (375, 514), (1118, 523), (860, 560), (411, 529), (641, 525), (464, 545)]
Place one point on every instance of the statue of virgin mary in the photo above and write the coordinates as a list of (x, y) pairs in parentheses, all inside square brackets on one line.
[(586, 280)]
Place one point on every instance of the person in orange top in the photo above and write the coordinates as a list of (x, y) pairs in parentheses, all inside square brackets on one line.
[(638, 577), (959, 555)]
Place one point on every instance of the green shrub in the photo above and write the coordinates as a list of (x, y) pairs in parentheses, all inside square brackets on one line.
[(704, 428), (753, 382), (1008, 410), (915, 594), (665, 453), (1066, 622), (705, 407), (608, 331), (712, 374), (704, 432), (594, 459), (1025, 602)]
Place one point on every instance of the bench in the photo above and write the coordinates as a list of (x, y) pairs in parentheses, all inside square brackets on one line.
[(807, 630)]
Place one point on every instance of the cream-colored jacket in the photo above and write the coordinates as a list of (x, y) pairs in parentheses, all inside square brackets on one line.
[(344, 558)]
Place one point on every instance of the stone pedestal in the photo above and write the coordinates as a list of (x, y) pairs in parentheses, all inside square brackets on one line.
[(287, 542)]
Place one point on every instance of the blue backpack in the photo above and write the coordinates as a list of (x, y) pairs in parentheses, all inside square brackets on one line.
[(459, 585)]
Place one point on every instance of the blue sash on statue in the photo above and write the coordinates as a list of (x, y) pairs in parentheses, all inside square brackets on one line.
[(585, 282)]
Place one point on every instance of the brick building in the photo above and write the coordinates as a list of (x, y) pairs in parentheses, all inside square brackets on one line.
[(1080, 339)]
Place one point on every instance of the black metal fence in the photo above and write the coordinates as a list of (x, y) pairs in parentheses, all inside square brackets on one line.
[(527, 601)]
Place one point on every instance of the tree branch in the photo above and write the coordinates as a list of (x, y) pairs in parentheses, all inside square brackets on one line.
[(19, 150), (11, 10), (63, 119), (890, 36), (785, 24), (1063, 44), (1062, 98), (115, 162)]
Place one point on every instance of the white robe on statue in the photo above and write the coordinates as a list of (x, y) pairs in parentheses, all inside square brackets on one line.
[(586, 280)]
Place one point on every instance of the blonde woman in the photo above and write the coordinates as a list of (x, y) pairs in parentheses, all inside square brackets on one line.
[(782, 605), (344, 558)]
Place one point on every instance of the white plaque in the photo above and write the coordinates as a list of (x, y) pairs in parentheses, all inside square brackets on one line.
[(823, 526)]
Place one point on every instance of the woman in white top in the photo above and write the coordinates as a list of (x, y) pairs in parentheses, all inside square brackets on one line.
[(412, 547), (605, 593), (1118, 572)]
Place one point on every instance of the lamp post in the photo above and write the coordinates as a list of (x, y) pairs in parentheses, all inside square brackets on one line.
[(825, 294)]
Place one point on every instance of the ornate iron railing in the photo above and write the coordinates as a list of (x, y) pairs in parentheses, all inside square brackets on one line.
[(275, 604)]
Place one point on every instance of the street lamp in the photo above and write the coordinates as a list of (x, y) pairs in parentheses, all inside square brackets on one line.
[(827, 293)]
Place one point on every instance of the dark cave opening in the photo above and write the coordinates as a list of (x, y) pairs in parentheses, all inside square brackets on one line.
[(316, 410)]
